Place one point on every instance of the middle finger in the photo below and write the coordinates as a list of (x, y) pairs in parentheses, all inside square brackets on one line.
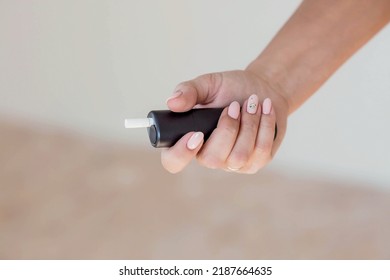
[(245, 143)]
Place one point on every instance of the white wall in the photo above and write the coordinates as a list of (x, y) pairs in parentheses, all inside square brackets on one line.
[(87, 65)]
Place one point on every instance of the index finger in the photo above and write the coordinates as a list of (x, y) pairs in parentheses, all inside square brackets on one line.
[(177, 157)]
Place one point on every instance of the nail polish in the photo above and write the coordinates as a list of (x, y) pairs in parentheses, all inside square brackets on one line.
[(195, 140), (234, 110), (267, 106), (253, 102)]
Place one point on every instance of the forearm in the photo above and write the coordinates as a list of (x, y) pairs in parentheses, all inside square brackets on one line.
[(315, 42)]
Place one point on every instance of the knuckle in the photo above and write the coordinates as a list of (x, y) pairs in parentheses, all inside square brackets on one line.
[(264, 147), (209, 77), (258, 166), (259, 163), (170, 166), (250, 125), (267, 123), (209, 161), (214, 80), (227, 129), (238, 159), (252, 171)]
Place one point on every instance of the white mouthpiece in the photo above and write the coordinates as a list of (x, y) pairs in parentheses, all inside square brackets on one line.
[(137, 123)]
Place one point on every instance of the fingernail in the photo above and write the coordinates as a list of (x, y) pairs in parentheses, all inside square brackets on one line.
[(234, 110), (176, 94), (195, 140), (253, 102), (267, 106)]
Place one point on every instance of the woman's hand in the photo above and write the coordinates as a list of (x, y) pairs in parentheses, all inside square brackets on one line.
[(244, 139), (314, 42)]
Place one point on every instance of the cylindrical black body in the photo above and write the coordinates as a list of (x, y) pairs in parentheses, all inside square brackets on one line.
[(169, 127)]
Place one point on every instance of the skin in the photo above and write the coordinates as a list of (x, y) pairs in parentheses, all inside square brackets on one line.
[(319, 37)]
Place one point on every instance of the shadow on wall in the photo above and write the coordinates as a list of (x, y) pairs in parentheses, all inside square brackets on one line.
[(68, 197)]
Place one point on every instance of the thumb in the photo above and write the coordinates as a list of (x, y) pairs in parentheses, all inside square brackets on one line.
[(198, 91)]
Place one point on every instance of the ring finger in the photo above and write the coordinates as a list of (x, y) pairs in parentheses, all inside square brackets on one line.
[(245, 143)]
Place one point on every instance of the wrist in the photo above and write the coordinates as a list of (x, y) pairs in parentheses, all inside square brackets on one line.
[(271, 78)]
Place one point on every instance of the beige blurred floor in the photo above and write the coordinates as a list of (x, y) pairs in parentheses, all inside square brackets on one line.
[(72, 197)]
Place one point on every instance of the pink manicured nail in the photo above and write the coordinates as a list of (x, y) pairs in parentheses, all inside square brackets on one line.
[(267, 106), (253, 102), (176, 94), (234, 110), (195, 140)]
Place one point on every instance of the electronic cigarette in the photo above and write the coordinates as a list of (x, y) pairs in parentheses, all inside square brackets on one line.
[(165, 127)]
